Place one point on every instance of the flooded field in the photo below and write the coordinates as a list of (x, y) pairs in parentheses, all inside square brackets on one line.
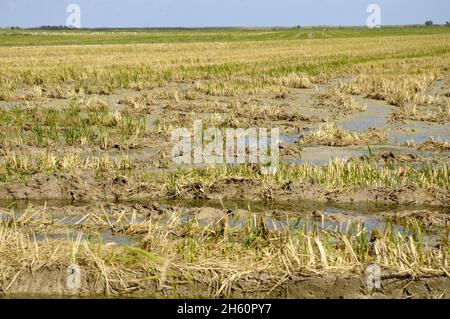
[(195, 230), (89, 184)]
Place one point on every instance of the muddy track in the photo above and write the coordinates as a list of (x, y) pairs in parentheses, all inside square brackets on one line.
[(52, 282), (252, 189), (87, 187)]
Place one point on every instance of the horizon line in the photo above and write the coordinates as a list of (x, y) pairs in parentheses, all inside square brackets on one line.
[(447, 23)]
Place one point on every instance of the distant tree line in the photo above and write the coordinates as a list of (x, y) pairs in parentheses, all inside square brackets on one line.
[(45, 27), (54, 27), (430, 23)]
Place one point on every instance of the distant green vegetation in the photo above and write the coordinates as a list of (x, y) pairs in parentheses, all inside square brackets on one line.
[(9, 37)]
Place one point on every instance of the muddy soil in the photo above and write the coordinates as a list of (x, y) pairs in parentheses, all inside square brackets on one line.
[(52, 282), (296, 114), (86, 186)]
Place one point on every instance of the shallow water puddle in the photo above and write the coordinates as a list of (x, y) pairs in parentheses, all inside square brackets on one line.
[(322, 155), (105, 237), (376, 115), (420, 133), (72, 222)]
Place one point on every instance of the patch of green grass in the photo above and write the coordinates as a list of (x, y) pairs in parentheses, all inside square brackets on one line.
[(134, 36), (335, 175), (72, 125)]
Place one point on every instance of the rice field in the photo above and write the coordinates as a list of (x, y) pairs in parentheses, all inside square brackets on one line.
[(88, 177)]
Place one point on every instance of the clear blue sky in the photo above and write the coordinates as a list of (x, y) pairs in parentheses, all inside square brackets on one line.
[(200, 13)]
